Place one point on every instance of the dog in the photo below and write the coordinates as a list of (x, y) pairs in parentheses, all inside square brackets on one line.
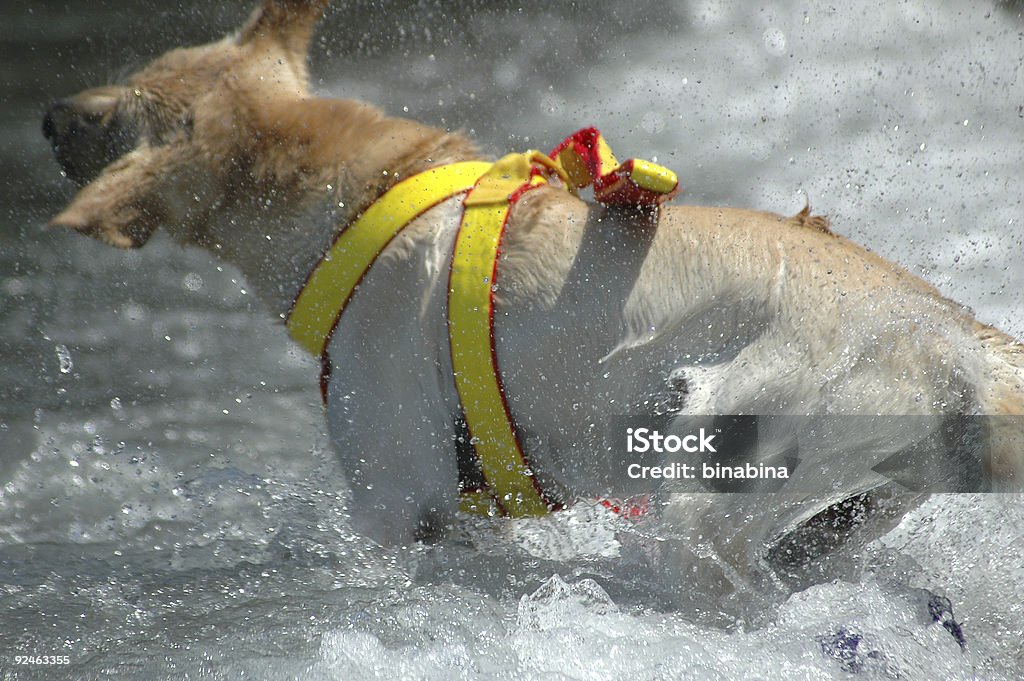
[(598, 310)]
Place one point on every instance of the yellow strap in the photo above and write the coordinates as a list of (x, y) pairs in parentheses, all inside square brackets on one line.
[(578, 169), (332, 282), (470, 332), (509, 174), (653, 177), (605, 157)]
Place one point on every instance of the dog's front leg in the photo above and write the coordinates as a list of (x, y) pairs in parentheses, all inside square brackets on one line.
[(398, 456), (390, 395)]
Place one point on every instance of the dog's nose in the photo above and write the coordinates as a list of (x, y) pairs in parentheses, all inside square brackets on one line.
[(55, 122), (49, 127)]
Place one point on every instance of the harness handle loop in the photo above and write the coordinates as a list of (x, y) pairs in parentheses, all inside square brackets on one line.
[(587, 159)]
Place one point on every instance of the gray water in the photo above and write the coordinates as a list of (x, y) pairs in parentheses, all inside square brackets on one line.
[(169, 507)]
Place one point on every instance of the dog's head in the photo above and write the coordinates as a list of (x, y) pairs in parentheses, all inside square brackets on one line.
[(154, 150)]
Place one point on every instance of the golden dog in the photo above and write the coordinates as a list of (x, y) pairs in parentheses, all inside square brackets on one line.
[(598, 312)]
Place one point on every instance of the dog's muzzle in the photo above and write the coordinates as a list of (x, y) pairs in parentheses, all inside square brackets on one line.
[(86, 135)]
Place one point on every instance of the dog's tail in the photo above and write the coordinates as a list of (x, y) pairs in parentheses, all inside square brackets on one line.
[(1002, 397)]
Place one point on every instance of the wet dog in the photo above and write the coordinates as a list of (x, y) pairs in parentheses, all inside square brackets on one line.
[(598, 312)]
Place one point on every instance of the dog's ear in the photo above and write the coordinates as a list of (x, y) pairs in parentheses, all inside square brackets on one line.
[(288, 24), (122, 207)]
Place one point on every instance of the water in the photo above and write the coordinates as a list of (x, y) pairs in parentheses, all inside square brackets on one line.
[(169, 507)]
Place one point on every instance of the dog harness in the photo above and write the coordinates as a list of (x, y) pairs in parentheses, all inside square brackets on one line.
[(491, 189)]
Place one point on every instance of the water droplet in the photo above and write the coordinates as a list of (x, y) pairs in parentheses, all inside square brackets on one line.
[(64, 357), (193, 282), (775, 41)]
